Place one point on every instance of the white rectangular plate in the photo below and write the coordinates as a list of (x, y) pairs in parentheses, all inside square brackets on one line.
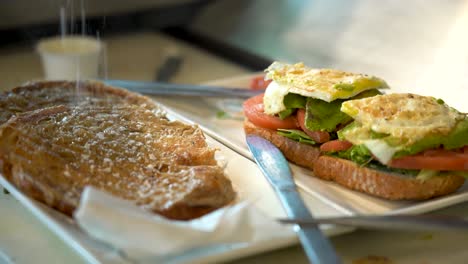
[(230, 132), (323, 198), (248, 182)]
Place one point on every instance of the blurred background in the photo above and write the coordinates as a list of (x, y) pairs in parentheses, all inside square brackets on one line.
[(418, 45)]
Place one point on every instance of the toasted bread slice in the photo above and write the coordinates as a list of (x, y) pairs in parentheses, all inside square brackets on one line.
[(383, 184), (164, 166), (298, 153), (42, 94), (353, 176)]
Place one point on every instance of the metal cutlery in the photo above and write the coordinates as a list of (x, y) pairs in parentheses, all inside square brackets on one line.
[(390, 222), (170, 66), (162, 88), (276, 169)]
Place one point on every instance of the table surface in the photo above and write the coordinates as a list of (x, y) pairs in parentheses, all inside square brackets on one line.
[(136, 56)]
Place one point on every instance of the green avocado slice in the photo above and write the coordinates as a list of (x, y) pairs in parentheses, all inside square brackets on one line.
[(456, 139), (324, 116)]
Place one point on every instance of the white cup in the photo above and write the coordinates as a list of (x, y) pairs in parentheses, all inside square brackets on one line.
[(71, 57)]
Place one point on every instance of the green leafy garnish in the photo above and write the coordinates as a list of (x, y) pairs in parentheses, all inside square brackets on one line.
[(462, 173), (402, 172), (225, 115), (357, 153), (222, 115), (362, 156), (296, 135)]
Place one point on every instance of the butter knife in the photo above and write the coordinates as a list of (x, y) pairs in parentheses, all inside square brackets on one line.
[(162, 88), (274, 166), (391, 222)]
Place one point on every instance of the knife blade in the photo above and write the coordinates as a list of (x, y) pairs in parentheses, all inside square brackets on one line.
[(391, 222), (162, 88), (276, 169)]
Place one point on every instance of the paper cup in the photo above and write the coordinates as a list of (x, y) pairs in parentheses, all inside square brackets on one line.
[(70, 58)]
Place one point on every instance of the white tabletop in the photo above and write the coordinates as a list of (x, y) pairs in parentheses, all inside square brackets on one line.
[(26, 240)]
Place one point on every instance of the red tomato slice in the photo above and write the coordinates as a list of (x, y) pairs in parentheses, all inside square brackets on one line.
[(259, 83), (253, 110), (436, 159), (335, 145), (317, 136)]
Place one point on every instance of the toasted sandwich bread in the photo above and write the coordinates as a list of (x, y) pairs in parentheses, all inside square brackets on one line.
[(386, 185), (301, 154), (42, 94), (126, 149), (351, 175)]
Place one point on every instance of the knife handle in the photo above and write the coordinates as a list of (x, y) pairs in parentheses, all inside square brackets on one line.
[(316, 246)]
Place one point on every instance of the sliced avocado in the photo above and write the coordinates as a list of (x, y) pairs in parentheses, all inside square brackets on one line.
[(459, 135), (360, 84), (324, 116), (285, 113), (292, 102), (456, 139)]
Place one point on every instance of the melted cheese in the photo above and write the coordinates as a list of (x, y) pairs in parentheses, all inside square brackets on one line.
[(324, 84), (406, 118)]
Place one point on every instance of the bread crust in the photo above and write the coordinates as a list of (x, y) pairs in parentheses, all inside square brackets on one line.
[(381, 184), (352, 176), (301, 154)]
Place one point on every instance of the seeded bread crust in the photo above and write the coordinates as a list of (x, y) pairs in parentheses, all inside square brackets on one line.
[(352, 176), (300, 154), (385, 185)]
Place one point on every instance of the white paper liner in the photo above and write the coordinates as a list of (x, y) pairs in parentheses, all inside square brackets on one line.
[(142, 235)]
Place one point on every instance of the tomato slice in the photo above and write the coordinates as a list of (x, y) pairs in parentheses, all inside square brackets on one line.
[(335, 145), (253, 110), (259, 83), (435, 159), (317, 136)]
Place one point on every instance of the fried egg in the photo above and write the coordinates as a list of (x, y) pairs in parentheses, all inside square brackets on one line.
[(403, 118), (324, 84)]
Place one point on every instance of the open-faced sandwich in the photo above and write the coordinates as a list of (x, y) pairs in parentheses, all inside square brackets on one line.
[(300, 109), (396, 146), (399, 146)]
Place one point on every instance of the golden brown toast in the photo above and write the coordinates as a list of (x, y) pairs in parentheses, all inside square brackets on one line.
[(42, 94), (128, 150)]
